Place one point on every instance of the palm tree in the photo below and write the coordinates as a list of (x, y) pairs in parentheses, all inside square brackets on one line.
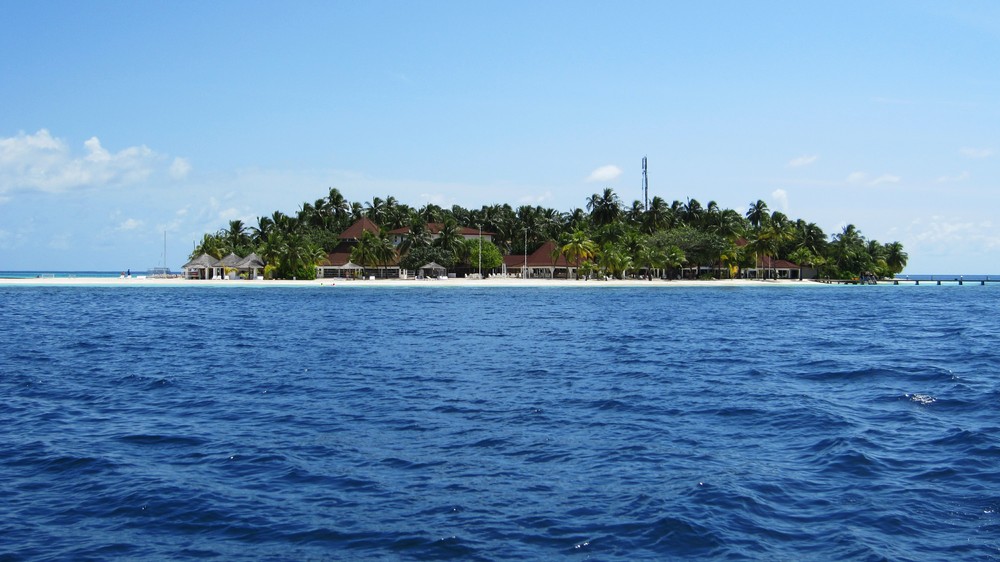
[(579, 248), (672, 257), (365, 251), (430, 213), (757, 213), (850, 256), (449, 239), (657, 215), (236, 238), (338, 206), (210, 244), (260, 232), (648, 258), (635, 212), (375, 210), (357, 211), (604, 209), (419, 236), (615, 261), (810, 236), (692, 212), (895, 257)]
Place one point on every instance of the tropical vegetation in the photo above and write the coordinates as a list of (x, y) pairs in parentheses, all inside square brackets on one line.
[(603, 238)]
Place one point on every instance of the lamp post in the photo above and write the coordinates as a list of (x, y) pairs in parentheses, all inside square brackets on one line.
[(480, 251), (524, 272)]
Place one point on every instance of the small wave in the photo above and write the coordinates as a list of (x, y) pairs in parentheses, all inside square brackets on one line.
[(163, 440), (922, 399)]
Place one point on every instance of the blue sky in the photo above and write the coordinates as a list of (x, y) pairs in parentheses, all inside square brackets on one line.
[(120, 121)]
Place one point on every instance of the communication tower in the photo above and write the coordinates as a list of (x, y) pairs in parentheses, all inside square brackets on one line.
[(645, 185)]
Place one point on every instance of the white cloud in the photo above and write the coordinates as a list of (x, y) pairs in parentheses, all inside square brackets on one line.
[(780, 196), (180, 168), (951, 232), (229, 214), (857, 177), (130, 224), (535, 199), (977, 152), (439, 199), (45, 163), (885, 178), (604, 173), (802, 161), (862, 178), (952, 179)]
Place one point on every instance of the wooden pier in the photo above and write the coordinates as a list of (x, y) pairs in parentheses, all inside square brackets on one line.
[(943, 281)]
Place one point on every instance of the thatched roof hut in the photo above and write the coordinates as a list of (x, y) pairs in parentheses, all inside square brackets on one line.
[(433, 269), (232, 260), (202, 267)]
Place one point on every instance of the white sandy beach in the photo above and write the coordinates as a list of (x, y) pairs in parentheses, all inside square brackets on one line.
[(339, 283)]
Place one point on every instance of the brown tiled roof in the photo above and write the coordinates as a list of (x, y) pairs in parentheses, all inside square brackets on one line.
[(342, 254), (354, 231), (514, 260), (542, 257), (336, 259), (436, 227), (768, 263)]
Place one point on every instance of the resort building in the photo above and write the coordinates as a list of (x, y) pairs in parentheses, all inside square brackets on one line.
[(338, 262), (769, 268), (229, 267), (202, 267), (544, 263)]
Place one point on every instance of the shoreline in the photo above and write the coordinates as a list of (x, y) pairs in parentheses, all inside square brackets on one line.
[(395, 283)]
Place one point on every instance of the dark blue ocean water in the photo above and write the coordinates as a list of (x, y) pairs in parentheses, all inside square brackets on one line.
[(798, 423)]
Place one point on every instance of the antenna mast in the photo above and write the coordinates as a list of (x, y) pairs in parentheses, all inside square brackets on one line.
[(645, 185)]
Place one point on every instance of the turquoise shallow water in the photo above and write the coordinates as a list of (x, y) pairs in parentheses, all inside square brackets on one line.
[(614, 423)]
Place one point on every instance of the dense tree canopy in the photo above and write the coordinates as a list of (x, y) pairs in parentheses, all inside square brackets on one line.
[(604, 236)]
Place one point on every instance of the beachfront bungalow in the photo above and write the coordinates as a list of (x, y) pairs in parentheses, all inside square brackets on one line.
[(251, 266), (202, 267), (434, 229), (770, 268), (230, 263), (207, 267), (433, 269), (540, 264)]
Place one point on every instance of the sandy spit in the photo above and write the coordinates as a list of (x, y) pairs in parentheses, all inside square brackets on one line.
[(340, 283)]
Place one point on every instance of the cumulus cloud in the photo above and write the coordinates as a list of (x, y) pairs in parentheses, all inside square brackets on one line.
[(977, 152), (604, 173), (42, 162), (180, 168), (780, 196), (802, 161)]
